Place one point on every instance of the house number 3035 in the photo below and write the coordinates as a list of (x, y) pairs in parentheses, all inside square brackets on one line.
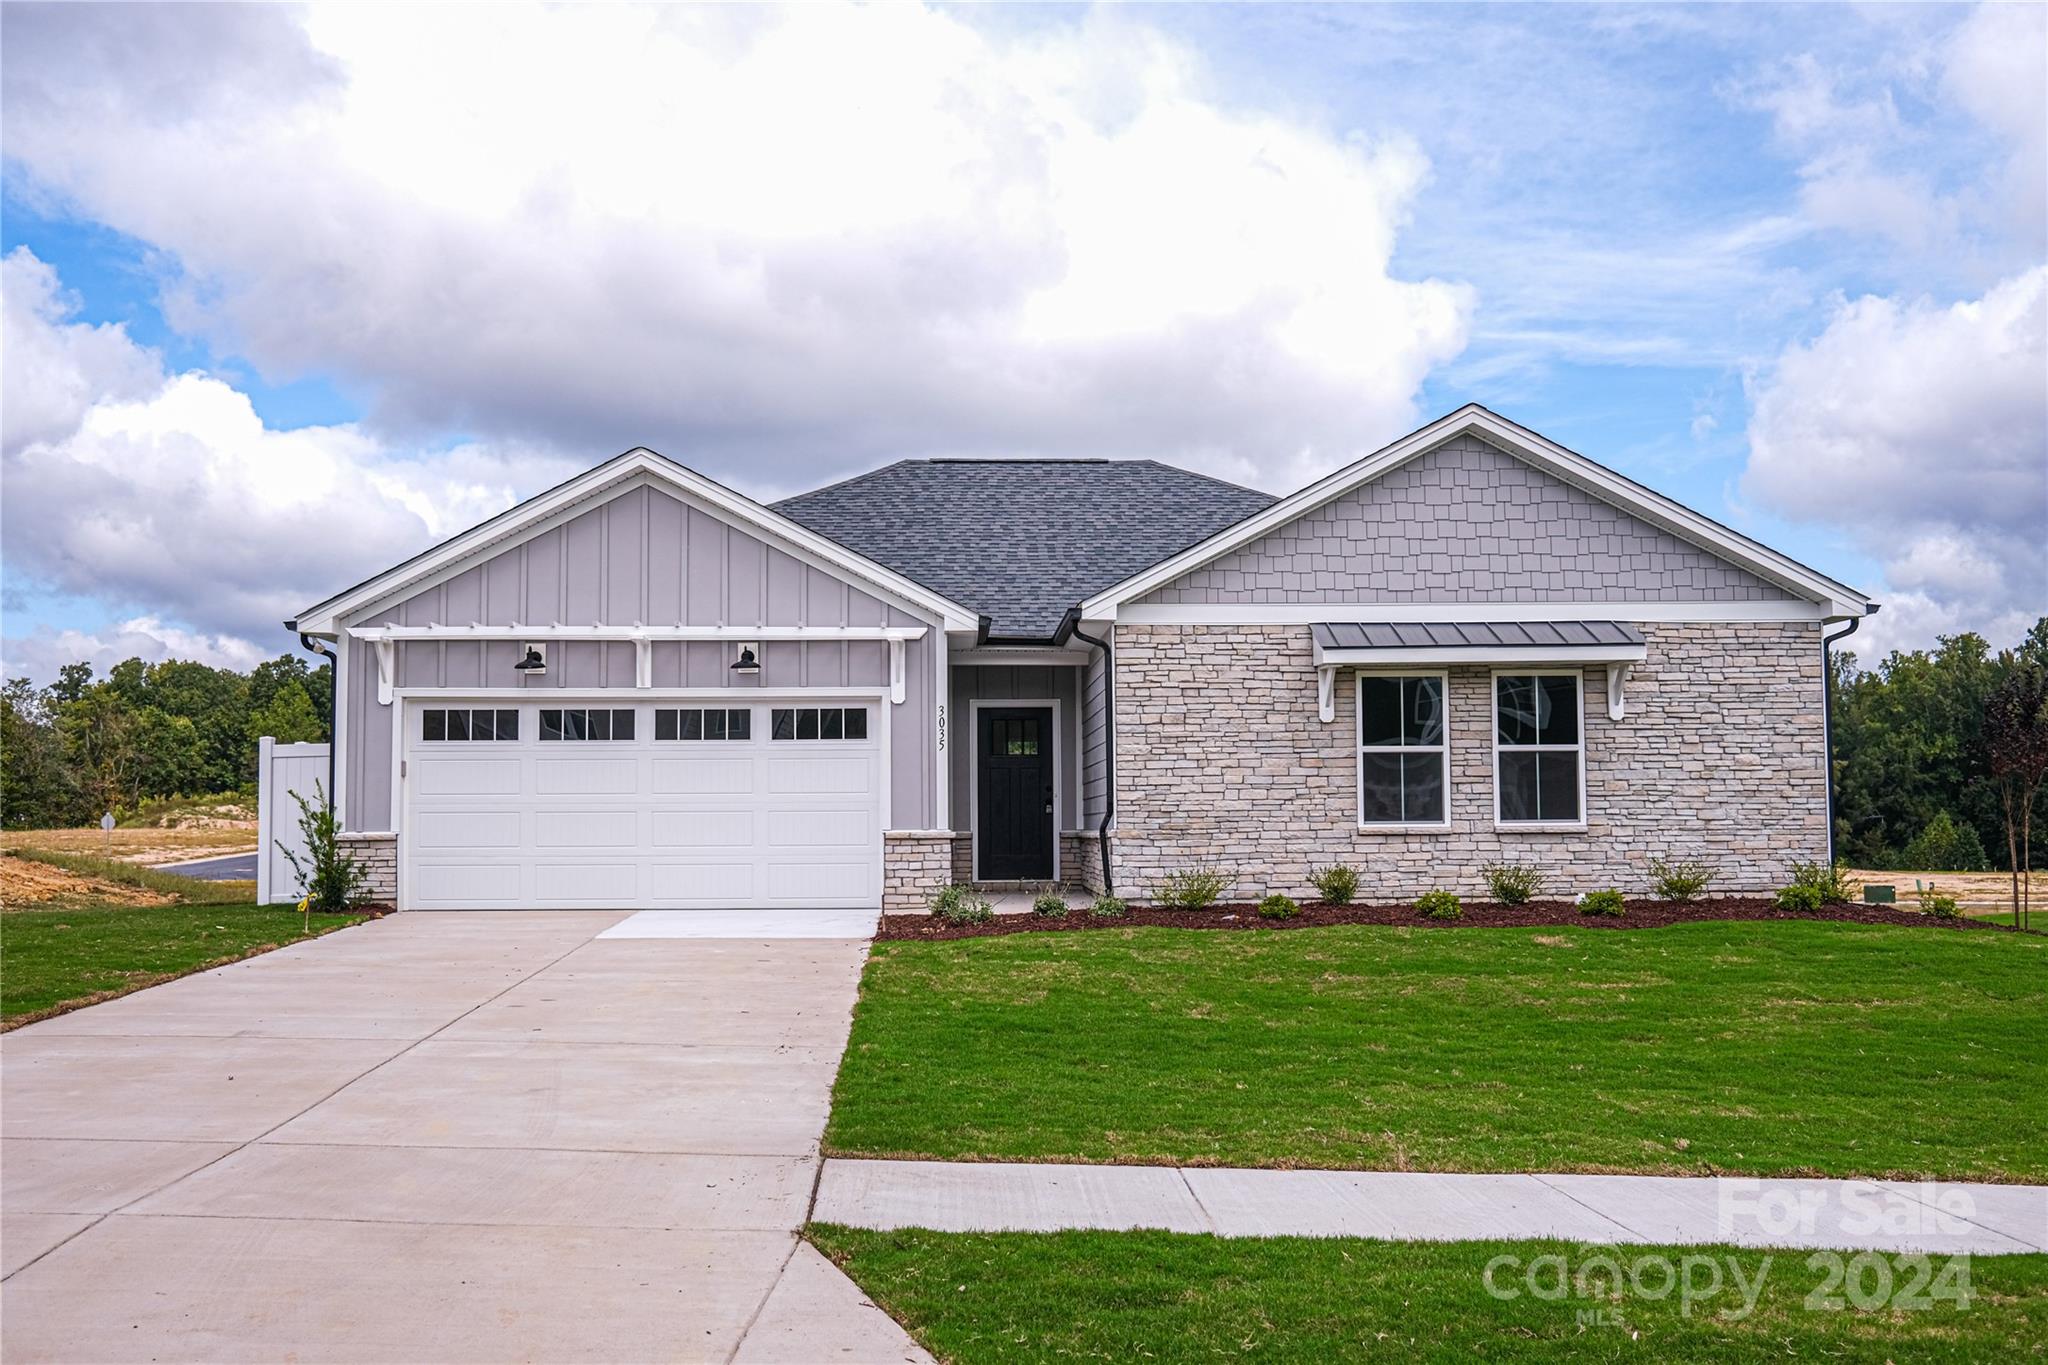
[(942, 727)]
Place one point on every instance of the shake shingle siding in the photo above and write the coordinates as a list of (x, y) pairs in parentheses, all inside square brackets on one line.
[(1467, 519)]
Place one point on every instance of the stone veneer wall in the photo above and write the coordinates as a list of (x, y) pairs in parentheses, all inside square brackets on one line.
[(916, 865), (377, 855), (1081, 860), (1221, 760)]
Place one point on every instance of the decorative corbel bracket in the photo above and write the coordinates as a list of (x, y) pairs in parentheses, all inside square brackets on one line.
[(1617, 675), (1326, 693), (896, 672), (387, 669)]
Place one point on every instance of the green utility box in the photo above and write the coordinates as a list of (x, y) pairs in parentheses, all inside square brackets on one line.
[(1879, 895)]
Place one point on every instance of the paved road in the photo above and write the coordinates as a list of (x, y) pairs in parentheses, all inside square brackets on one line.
[(454, 1137), (236, 867)]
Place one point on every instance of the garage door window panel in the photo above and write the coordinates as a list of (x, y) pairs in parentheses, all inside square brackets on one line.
[(690, 724), (819, 723), (442, 724), (579, 724)]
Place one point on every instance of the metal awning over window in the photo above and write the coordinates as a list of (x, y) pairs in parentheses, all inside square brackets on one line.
[(1389, 644)]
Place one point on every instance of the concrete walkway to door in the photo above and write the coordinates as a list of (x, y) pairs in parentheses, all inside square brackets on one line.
[(452, 1137)]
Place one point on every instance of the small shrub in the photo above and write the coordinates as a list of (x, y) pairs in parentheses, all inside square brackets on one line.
[(1109, 907), (1336, 884), (1679, 881), (1439, 905), (959, 905), (1608, 902), (1799, 896), (1049, 905), (1277, 906), (1932, 902), (1192, 889), (328, 878), (1513, 883), (1833, 884), (1945, 846)]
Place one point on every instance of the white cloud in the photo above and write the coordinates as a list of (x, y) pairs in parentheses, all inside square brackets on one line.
[(131, 485), (1937, 141), (43, 651), (784, 241), (1924, 429), (52, 369)]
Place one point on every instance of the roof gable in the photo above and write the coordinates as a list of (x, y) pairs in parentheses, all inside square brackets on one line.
[(1641, 504), (635, 468), (1466, 516)]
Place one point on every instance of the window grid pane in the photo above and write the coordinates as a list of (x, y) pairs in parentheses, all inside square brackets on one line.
[(1402, 754), (1536, 728)]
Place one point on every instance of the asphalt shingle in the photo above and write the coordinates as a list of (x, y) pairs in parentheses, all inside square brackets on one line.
[(1022, 540)]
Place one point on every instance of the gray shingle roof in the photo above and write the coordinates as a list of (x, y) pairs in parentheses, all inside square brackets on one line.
[(1470, 634), (1020, 541)]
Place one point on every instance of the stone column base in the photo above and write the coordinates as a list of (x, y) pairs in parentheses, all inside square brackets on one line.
[(377, 855), (916, 865), (1081, 860)]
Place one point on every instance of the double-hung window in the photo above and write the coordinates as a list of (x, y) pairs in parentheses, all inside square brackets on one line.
[(1403, 759), (1539, 752)]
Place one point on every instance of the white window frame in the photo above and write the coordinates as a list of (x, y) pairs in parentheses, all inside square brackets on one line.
[(1359, 747), (1493, 725)]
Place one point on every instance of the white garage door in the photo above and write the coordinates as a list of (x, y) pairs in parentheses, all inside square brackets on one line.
[(600, 803)]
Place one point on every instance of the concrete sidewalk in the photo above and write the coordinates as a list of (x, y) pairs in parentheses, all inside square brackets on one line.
[(459, 1137), (1807, 1214)]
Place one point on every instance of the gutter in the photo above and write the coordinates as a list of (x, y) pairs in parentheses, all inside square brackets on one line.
[(1070, 625), (333, 704), (1827, 718)]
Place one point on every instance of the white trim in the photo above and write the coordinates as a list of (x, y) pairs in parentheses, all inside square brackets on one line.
[(942, 786), (340, 703), (974, 706), (1524, 444), (624, 696), (1008, 657), (1312, 613), (1493, 725), (617, 476), (1358, 748), (743, 634), (1446, 655)]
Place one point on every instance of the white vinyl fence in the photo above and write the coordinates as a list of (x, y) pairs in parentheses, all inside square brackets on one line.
[(282, 769)]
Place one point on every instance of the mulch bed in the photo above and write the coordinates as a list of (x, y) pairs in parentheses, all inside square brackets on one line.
[(1641, 914)]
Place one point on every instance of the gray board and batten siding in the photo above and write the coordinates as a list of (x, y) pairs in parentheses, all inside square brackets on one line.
[(643, 557)]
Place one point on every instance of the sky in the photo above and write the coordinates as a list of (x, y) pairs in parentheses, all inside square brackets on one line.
[(293, 293)]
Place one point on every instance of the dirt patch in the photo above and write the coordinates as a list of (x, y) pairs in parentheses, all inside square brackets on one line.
[(1641, 914), (28, 885), (1969, 888), (144, 844)]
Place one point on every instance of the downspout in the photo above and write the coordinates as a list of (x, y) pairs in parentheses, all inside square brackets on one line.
[(1827, 719), (1072, 626), (333, 714)]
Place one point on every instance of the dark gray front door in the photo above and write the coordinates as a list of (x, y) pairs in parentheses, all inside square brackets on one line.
[(1013, 774)]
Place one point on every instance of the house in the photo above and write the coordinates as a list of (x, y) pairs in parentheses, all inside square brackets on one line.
[(642, 689)]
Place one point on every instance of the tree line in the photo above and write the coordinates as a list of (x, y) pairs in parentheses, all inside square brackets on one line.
[(83, 745), (1918, 782)]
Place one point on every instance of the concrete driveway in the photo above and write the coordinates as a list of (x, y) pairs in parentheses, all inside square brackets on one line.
[(441, 1137)]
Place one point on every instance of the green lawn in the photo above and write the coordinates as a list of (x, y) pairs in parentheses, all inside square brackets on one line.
[(1074, 1296), (56, 959), (1764, 1048)]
